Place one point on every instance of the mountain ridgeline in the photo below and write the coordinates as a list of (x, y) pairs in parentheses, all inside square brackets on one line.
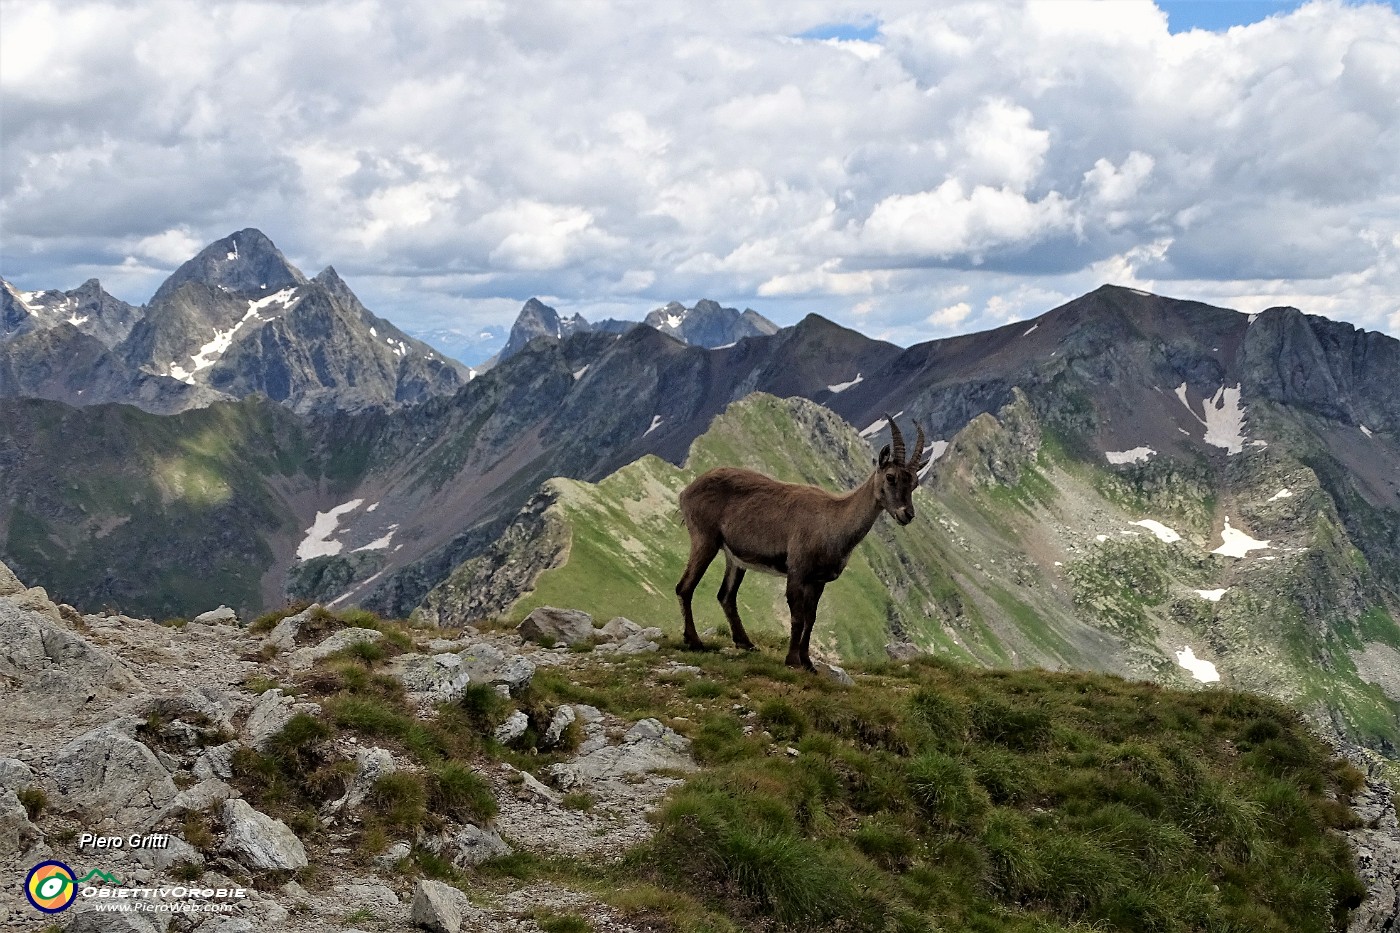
[(1127, 483)]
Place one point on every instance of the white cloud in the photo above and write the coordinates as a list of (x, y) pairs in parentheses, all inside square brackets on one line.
[(951, 316), (457, 158)]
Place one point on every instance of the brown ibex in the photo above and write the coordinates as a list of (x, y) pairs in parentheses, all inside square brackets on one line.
[(801, 532)]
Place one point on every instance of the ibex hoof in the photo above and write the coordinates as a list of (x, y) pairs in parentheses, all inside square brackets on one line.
[(746, 645), (696, 645)]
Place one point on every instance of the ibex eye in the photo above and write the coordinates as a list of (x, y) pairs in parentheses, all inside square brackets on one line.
[(889, 477)]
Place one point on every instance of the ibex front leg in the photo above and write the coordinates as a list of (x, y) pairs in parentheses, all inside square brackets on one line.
[(702, 551), (729, 601), (802, 600)]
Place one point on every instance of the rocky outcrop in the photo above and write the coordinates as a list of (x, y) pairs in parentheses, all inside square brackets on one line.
[(106, 774), (303, 658), (1376, 843), (16, 832), (42, 660), (441, 908), (273, 711), (550, 626), (647, 747), (259, 841)]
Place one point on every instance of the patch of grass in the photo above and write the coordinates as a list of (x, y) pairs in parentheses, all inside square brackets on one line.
[(551, 921), (34, 801), (197, 832), (176, 622), (268, 620), (457, 791), (400, 800), (579, 800)]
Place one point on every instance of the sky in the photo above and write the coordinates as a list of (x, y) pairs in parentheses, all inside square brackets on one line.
[(912, 170)]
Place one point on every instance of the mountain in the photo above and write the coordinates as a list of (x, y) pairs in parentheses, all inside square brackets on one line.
[(236, 319), (705, 325), (709, 325)]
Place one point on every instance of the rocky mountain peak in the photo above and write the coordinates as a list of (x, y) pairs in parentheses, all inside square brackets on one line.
[(245, 262)]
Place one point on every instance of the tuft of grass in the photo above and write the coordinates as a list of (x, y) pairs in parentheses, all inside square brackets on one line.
[(268, 620), (579, 800), (457, 791), (551, 921), (400, 800), (34, 801)]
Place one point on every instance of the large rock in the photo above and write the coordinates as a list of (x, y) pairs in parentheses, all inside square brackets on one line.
[(487, 664), (259, 841), (221, 616), (15, 774), (93, 921), (513, 728), (303, 658), (548, 625), (473, 845), (197, 799), (440, 907), (106, 774), (371, 764), (283, 636), (16, 832), (41, 659), (434, 678), (627, 637), (648, 746), (9, 583), (271, 714), (176, 851)]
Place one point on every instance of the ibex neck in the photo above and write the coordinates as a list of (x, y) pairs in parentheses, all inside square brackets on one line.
[(862, 508)]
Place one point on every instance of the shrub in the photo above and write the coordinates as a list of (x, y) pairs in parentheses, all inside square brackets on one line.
[(34, 800)]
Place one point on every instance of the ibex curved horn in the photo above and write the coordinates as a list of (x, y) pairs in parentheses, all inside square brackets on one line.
[(897, 439), (919, 447)]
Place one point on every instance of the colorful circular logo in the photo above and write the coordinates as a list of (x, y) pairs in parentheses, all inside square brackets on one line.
[(50, 887)]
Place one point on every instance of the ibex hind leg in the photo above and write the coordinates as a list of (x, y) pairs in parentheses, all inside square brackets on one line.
[(729, 602), (702, 552), (802, 603)]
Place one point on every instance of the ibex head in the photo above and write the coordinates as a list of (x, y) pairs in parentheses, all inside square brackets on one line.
[(900, 474)]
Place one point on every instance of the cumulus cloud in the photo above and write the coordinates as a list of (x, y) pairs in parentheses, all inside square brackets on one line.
[(957, 166)]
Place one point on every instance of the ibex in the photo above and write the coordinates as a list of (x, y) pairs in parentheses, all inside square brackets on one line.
[(801, 532)]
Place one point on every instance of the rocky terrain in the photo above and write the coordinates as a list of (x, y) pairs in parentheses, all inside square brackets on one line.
[(323, 766)]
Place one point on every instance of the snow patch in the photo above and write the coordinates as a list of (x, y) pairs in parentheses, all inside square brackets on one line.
[(379, 544), (1101, 538), (1223, 417), (317, 542), (724, 346), (1281, 494), (373, 332), (931, 453), (75, 320), (843, 386), (1138, 291), (674, 320), (877, 424), (578, 373), (1236, 543), (1365, 430), (1032, 329), (371, 507), (655, 423), (1204, 671), (1162, 532), (1136, 455), (1251, 319), (1212, 595), (209, 354), (233, 253)]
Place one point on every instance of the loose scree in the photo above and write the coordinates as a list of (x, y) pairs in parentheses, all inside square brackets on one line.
[(804, 533)]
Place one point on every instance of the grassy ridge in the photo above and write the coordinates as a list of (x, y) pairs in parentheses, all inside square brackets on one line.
[(933, 796)]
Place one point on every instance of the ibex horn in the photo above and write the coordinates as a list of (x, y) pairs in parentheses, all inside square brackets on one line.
[(897, 439), (919, 447)]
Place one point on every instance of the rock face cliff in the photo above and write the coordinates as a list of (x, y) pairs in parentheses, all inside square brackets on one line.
[(235, 320)]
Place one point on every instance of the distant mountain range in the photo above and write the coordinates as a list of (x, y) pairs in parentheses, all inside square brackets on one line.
[(1121, 483)]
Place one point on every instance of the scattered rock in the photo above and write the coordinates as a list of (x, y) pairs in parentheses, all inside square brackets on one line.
[(627, 637), (14, 773), (438, 678), (107, 774), (259, 841), (440, 907), (548, 625), (16, 832), (473, 845), (221, 616), (513, 728), (487, 664), (532, 788), (216, 761), (902, 650), (272, 712), (304, 658), (393, 855), (91, 921), (9, 583), (832, 672), (564, 717), (175, 852), (371, 764), (648, 746), (283, 636)]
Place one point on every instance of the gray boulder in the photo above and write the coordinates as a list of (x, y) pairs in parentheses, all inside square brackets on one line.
[(259, 841), (110, 775), (283, 636), (176, 851), (436, 678), (563, 718), (833, 673), (91, 921), (627, 637), (487, 664), (440, 907), (16, 832), (14, 773), (9, 583), (371, 764), (473, 845), (647, 747), (216, 761), (221, 616), (271, 714), (45, 661), (513, 728), (557, 626)]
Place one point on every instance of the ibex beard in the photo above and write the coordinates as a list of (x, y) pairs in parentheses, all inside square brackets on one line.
[(803, 533)]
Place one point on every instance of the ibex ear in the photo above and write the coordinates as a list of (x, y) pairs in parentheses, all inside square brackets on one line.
[(884, 456)]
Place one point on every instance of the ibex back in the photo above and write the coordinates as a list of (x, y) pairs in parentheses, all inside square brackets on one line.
[(800, 532)]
